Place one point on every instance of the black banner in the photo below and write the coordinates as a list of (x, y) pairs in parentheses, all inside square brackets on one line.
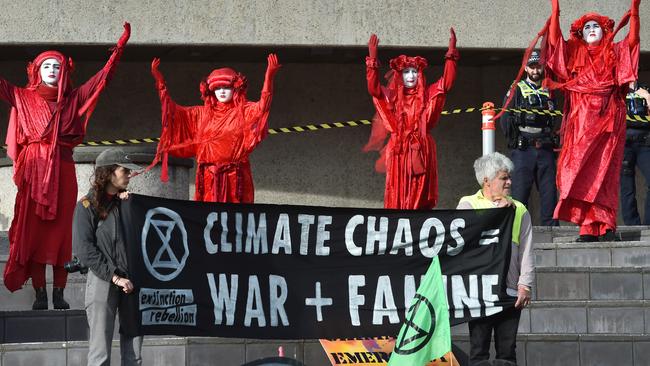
[(300, 272)]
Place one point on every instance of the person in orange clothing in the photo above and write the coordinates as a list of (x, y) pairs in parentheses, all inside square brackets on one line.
[(407, 109), (48, 118), (221, 133), (594, 73)]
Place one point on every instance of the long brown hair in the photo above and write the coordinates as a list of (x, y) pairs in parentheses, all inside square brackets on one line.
[(100, 180)]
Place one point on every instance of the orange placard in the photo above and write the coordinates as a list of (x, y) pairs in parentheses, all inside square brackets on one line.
[(370, 352)]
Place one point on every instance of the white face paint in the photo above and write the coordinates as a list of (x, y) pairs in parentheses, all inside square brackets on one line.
[(410, 77), (223, 94), (50, 71), (592, 32)]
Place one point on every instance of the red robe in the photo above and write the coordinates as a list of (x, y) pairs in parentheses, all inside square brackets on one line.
[(410, 154), (221, 136), (40, 139), (594, 80)]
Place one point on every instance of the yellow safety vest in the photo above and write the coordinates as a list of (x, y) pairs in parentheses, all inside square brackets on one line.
[(526, 90), (479, 201)]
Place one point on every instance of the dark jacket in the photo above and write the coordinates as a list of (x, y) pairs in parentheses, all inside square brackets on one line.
[(99, 243)]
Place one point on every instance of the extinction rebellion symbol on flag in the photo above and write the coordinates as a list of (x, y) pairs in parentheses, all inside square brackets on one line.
[(419, 327)]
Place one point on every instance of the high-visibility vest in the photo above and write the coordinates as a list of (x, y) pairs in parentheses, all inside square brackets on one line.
[(636, 105), (479, 201), (532, 98)]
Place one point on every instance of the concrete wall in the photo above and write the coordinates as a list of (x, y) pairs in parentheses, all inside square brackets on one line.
[(498, 23)]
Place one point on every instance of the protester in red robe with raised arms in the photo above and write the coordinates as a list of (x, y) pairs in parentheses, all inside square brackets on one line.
[(594, 73), (407, 109), (221, 133), (48, 118)]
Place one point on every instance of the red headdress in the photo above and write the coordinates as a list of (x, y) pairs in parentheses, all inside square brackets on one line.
[(396, 84), (34, 75), (606, 23), (224, 77), (401, 62)]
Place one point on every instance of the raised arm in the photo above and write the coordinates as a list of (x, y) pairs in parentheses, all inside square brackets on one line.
[(451, 57), (554, 27), (372, 68), (273, 65), (161, 87), (633, 36), (104, 75), (7, 92)]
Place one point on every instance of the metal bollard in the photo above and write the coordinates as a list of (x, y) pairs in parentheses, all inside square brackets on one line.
[(488, 127)]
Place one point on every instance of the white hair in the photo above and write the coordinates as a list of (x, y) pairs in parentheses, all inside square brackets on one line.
[(488, 166)]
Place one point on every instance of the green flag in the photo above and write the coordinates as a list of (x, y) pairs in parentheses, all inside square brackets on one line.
[(425, 334)]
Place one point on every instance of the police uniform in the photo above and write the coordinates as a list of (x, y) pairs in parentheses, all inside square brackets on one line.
[(531, 140), (637, 153)]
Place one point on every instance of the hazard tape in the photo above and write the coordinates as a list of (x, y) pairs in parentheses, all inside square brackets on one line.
[(362, 122), (120, 142)]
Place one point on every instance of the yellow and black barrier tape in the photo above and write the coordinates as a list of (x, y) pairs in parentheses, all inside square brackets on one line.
[(120, 142), (362, 122), (320, 126)]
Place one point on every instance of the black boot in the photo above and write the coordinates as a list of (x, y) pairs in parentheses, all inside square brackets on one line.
[(57, 299), (586, 238), (610, 235), (41, 299)]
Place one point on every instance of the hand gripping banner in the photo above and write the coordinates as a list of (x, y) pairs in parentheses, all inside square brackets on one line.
[(301, 272)]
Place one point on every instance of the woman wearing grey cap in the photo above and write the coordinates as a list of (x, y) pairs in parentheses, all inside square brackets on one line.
[(97, 236)]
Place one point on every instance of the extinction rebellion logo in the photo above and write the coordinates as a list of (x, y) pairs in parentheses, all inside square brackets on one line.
[(165, 265), (419, 327), (166, 306)]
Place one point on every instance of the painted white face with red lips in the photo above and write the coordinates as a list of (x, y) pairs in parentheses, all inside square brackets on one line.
[(410, 77), (223, 94), (592, 33), (50, 71)]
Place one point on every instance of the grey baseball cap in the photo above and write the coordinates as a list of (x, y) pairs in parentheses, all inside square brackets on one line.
[(116, 156)]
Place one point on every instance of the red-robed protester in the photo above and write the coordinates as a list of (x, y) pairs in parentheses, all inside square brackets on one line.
[(221, 133), (407, 109), (594, 73), (48, 118)]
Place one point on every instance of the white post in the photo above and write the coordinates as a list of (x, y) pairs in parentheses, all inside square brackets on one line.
[(488, 127)]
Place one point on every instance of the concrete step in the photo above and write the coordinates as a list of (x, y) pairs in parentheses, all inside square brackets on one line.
[(606, 254), (582, 318), (578, 350), (24, 298), (532, 350), (591, 283), (550, 234), (167, 351)]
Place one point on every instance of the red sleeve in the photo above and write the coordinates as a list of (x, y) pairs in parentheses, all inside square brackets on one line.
[(90, 89), (372, 76), (7, 92), (179, 126), (437, 92), (449, 74), (257, 115), (627, 68)]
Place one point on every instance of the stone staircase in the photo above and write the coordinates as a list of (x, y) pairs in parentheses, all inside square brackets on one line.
[(591, 301), (591, 307)]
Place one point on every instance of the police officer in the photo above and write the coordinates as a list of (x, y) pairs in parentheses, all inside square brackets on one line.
[(637, 153), (531, 138)]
